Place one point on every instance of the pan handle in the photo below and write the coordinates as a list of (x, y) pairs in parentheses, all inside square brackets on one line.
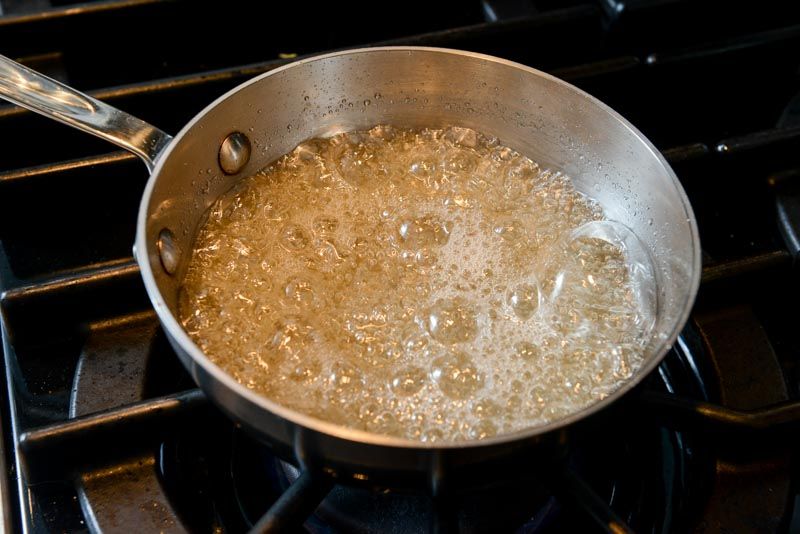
[(53, 99)]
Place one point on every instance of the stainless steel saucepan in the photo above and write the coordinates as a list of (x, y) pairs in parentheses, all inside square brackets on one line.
[(538, 115)]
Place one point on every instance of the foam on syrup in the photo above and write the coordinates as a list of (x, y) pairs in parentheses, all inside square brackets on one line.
[(427, 284)]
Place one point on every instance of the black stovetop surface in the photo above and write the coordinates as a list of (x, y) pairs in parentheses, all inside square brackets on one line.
[(102, 427)]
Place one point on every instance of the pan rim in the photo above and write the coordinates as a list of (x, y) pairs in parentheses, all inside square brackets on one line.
[(174, 329)]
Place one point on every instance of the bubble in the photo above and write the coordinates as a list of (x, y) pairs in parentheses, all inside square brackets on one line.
[(608, 275), (622, 362), (267, 265), (452, 321), (325, 225), (425, 170), (482, 429), (527, 350), (485, 408), (384, 132), (465, 137), (357, 162), (305, 371), (461, 162), (456, 375), (299, 291), (513, 403), (524, 300), (521, 177), (345, 376), (330, 256), (510, 230), (294, 237), (425, 231), (368, 410), (409, 381), (384, 423), (425, 257), (415, 344), (291, 333)]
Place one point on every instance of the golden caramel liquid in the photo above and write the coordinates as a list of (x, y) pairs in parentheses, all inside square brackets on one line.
[(427, 284)]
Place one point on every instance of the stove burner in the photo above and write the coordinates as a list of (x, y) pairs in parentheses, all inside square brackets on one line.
[(215, 474), (785, 183), (652, 477), (639, 474), (502, 507)]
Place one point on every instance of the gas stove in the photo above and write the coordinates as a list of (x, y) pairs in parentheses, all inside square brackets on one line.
[(104, 431)]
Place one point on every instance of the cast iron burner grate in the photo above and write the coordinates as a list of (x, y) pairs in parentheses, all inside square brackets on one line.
[(209, 474), (104, 431)]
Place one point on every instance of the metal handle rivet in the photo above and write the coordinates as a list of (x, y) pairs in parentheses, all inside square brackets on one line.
[(234, 153), (168, 251)]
